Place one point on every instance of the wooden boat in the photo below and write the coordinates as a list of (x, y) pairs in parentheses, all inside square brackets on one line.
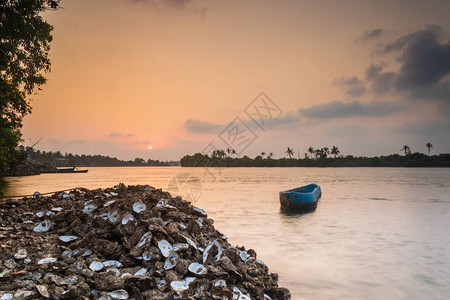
[(301, 198), (65, 170)]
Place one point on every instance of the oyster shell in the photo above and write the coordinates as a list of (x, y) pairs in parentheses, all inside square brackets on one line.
[(47, 260), (146, 237), (118, 294), (112, 263), (171, 261), (197, 269), (42, 227), (165, 247), (127, 218), (96, 265), (88, 209), (68, 238), (208, 248), (113, 216), (139, 207), (21, 254)]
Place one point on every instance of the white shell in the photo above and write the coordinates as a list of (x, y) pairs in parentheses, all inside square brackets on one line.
[(114, 194), (113, 216), (40, 214), (165, 247), (57, 209), (190, 242), (146, 237), (118, 294), (88, 209), (197, 268), (112, 263), (179, 286), (68, 238), (142, 271), (109, 203), (7, 296), (47, 260), (201, 211), (139, 207), (161, 203), (219, 251), (171, 261), (244, 255), (96, 266), (127, 218), (200, 222), (146, 255), (180, 247), (42, 227), (20, 254)]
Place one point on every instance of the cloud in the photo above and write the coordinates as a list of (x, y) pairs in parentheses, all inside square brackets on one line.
[(114, 134), (381, 82), (169, 3), (351, 85), (197, 126), (77, 142), (372, 34), (130, 135), (339, 109), (424, 60)]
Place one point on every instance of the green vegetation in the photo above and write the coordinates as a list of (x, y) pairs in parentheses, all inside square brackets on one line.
[(56, 159), (24, 47), (317, 158)]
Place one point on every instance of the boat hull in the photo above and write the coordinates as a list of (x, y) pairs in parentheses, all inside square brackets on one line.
[(302, 198)]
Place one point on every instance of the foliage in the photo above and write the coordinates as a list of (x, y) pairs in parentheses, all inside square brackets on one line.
[(394, 160), (56, 159), (24, 48)]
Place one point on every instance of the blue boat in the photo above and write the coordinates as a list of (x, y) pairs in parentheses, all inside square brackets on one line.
[(301, 198)]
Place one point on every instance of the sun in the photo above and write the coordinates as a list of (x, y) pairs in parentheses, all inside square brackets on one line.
[(150, 147)]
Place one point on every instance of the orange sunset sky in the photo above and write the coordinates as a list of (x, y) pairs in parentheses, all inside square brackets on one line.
[(366, 76)]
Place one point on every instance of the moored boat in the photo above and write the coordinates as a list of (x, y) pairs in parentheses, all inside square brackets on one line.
[(301, 198), (65, 170)]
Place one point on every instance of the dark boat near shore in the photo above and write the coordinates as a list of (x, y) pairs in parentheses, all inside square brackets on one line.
[(65, 170), (301, 198)]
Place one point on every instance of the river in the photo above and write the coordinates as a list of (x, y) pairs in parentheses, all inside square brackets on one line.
[(377, 233)]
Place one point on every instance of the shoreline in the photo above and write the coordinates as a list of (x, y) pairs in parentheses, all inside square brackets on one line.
[(135, 242)]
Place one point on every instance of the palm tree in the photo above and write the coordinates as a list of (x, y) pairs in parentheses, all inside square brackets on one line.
[(262, 154), (407, 149), (270, 155), (335, 151), (317, 153), (325, 152), (311, 151), (228, 151), (233, 152), (289, 152), (429, 146)]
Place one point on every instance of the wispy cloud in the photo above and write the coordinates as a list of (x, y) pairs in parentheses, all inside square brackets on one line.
[(352, 86), (339, 109), (114, 134), (197, 126), (372, 34)]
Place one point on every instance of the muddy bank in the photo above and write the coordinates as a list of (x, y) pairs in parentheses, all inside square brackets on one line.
[(123, 243)]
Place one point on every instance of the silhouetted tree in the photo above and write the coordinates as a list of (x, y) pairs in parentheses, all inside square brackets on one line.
[(407, 149), (24, 47), (429, 146), (289, 152), (311, 151), (335, 151)]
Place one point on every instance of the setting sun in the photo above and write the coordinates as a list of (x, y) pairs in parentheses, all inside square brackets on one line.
[(150, 147)]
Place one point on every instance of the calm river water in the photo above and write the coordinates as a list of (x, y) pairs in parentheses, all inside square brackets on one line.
[(377, 233)]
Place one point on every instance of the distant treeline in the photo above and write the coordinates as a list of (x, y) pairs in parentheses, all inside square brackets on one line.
[(394, 160), (56, 159)]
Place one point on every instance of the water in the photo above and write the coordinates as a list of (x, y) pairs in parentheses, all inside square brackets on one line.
[(378, 233)]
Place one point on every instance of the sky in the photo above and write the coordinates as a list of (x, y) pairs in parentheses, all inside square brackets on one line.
[(187, 76)]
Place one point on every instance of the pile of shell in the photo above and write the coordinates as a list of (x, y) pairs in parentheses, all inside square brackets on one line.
[(122, 243)]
